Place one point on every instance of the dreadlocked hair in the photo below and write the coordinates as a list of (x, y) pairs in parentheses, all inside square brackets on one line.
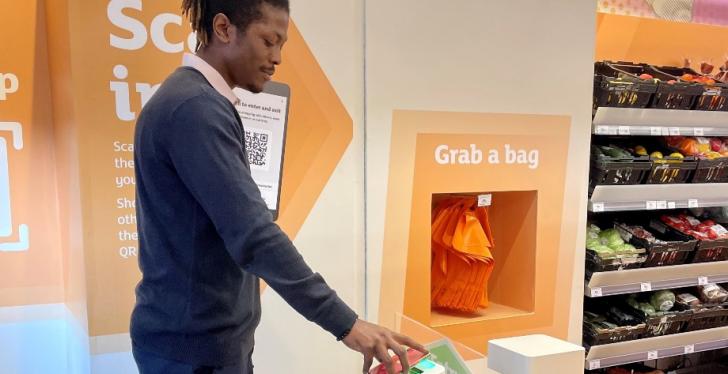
[(240, 12)]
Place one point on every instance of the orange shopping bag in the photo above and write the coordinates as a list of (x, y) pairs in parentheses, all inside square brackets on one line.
[(462, 261)]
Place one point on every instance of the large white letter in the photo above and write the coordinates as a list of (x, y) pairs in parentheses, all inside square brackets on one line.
[(8, 84), (441, 155), (159, 23), (121, 94), (117, 17)]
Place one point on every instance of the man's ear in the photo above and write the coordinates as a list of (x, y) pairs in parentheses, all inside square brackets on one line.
[(222, 28)]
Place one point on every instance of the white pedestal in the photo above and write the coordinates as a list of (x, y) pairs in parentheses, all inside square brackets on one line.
[(535, 354)]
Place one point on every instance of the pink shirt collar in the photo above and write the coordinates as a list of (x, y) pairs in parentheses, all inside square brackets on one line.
[(213, 76)]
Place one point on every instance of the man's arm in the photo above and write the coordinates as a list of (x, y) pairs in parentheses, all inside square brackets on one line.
[(206, 150)]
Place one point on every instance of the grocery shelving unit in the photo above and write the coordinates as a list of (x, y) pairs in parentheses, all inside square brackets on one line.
[(658, 197), (602, 356), (611, 121), (655, 278), (659, 122)]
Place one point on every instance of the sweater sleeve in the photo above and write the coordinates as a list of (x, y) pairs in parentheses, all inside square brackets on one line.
[(205, 146)]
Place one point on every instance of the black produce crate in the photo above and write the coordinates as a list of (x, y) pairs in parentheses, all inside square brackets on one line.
[(670, 170), (705, 250), (667, 323), (675, 95), (711, 171), (618, 171), (608, 336), (595, 264), (712, 98), (707, 317), (615, 87), (674, 249), (711, 250)]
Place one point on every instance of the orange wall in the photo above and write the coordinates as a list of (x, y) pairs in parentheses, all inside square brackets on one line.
[(659, 42), (33, 276), (414, 178)]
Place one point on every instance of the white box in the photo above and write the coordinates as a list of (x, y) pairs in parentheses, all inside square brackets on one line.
[(535, 354)]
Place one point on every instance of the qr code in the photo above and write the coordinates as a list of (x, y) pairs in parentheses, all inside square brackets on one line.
[(258, 145)]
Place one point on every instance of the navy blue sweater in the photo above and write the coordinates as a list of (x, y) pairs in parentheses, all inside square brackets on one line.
[(205, 234)]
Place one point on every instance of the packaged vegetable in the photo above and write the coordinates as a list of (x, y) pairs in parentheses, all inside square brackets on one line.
[(611, 238), (687, 300), (712, 293), (663, 300), (604, 252), (625, 248), (615, 152), (648, 309), (641, 233), (621, 317), (686, 146), (593, 243)]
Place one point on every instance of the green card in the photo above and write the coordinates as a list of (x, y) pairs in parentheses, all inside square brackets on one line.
[(445, 354)]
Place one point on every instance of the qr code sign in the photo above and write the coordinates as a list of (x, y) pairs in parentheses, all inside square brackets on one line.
[(258, 145)]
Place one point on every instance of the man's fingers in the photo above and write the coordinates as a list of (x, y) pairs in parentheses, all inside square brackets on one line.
[(368, 360), (406, 340), (383, 356), (401, 352)]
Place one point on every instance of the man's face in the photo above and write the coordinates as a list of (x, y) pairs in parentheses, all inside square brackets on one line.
[(254, 54)]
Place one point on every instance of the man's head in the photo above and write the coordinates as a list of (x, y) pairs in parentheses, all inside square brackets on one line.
[(243, 38)]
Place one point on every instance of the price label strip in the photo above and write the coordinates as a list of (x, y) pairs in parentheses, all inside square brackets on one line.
[(596, 292), (651, 205), (652, 355), (702, 281), (655, 131), (597, 207), (646, 287), (662, 205), (699, 131), (671, 205), (595, 364), (693, 203), (623, 130), (674, 131), (689, 349)]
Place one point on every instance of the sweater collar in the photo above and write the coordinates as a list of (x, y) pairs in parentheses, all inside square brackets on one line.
[(213, 76)]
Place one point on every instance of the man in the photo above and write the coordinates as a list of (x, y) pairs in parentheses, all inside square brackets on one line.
[(205, 233)]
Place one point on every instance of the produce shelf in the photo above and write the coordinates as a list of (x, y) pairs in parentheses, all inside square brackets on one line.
[(659, 122), (655, 278), (608, 355), (658, 197)]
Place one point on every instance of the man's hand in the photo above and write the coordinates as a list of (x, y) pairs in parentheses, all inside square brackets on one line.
[(375, 341)]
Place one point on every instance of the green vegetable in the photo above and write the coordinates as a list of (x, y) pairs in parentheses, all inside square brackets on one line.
[(604, 252), (592, 243), (625, 248), (615, 243), (663, 300), (610, 234), (593, 228), (647, 308), (592, 235), (616, 152), (611, 238)]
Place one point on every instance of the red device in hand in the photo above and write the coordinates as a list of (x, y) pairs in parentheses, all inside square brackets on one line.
[(413, 357)]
